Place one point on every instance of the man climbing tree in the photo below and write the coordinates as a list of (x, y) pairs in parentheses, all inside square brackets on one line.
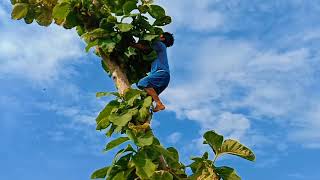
[(158, 79), (103, 24)]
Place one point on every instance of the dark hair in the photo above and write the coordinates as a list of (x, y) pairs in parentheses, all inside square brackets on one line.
[(169, 39)]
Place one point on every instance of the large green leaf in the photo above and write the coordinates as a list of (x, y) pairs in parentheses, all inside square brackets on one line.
[(156, 11), (116, 143), (116, 159), (122, 120), (129, 6), (45, 17), (31, 15), (162, 175), (163, 21), (102, 119), (150, 37), (227, 173), (61, 11), (19, 11), (91, 44), (100, 173), (146, 139), (147, 102), (214, 140), (143, 9), (71, 21), (124, 27), (101, 94), (144, 166), (132, 95), (235, 148), (108, 45)]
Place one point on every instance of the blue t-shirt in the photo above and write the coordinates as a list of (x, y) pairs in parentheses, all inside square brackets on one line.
[(161, 63)]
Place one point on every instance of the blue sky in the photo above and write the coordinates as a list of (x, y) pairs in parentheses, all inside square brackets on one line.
[(248, 69)]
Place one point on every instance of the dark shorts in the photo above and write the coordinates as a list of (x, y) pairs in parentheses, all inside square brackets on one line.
[(158, 80)]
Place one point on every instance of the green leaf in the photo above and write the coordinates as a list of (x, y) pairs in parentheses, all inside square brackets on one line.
[(143, 9), (227, 173), (101, 173), (95, 34), (131, 96), (102, 94), (129, 6), (146, 139), (144, 166), (104, 24), (108, 45), (122, 120), (166, 153), (112, 19), (156, 11), (105, 68), (124, 27), (61, 11), (162, 175), (150, 37), (45, 18), (174, 153), (19, 11), (147, 102), (111, 130), (235, 148), (122, 175), (91, 44), (80, 30), (163, 21), (131, 93), (71, 21), (130, 52), (102, 119), (214, 140), (116, 143), (31, 15), (144, 111), (115, 161)]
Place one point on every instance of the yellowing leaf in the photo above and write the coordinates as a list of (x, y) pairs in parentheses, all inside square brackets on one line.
[(19, 11), (235, 148)]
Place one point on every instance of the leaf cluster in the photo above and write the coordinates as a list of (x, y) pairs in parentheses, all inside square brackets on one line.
[(144, 157), (111, 25)]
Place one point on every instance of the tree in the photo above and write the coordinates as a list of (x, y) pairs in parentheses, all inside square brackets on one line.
[(110, 26)]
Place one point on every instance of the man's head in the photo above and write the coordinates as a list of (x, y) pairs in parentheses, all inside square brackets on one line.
[(167, 38)]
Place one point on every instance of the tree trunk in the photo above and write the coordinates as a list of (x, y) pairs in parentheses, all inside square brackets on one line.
[(117, 73)]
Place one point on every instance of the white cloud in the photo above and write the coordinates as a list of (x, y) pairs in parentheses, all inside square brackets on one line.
[(195, 15), (174, 137), (34, 52), (233, 84), (38, 53)]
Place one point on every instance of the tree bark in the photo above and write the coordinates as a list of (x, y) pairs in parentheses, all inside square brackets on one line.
[(117, 73)]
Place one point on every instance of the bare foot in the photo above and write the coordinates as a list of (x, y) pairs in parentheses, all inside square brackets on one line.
[(159, 107)]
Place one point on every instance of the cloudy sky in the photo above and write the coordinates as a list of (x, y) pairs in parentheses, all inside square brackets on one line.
[(248, 69)]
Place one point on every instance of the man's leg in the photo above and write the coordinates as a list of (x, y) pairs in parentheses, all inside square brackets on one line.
[(151, 92)]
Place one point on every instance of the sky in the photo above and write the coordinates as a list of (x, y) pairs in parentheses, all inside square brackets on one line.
[(248, 69)]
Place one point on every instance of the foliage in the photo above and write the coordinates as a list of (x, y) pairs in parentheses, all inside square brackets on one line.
[(111, 26), (108, 24), (141, 159)]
